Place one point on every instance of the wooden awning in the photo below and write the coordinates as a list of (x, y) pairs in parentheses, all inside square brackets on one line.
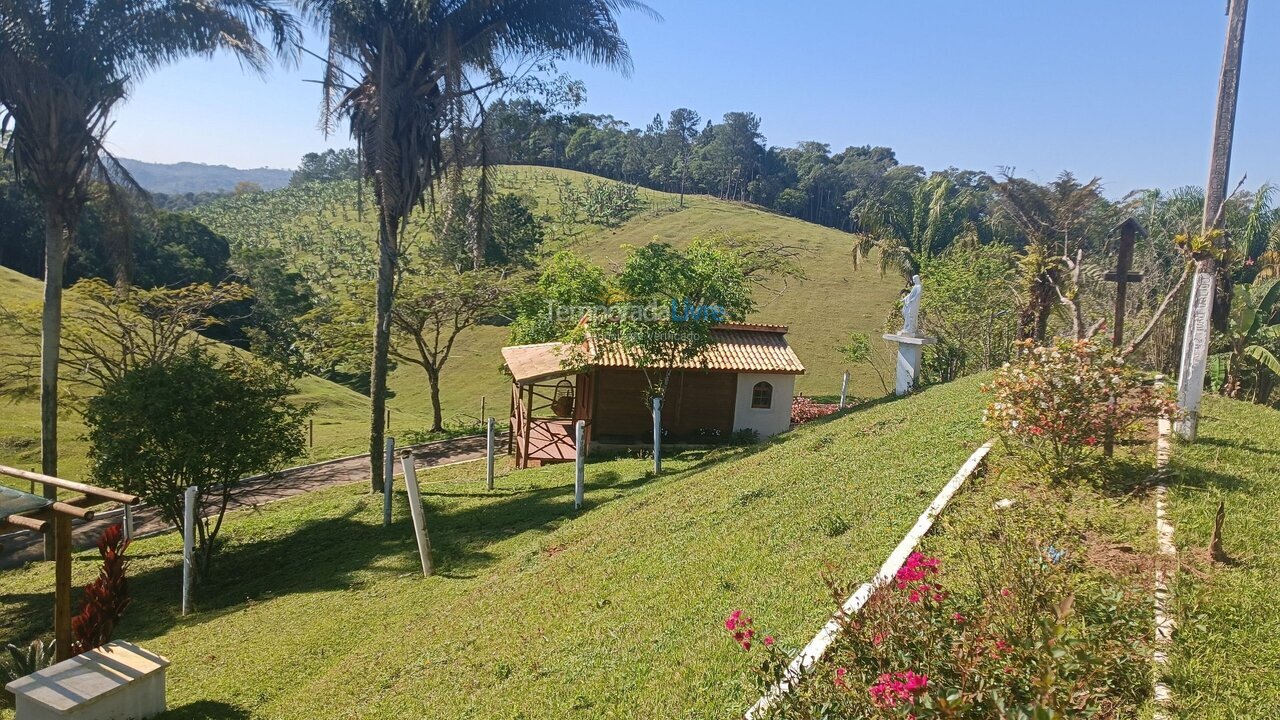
[(529, 363)]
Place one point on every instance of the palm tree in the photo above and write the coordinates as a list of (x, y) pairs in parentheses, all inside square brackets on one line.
[(64, 66), (908, 229), (407, 73)]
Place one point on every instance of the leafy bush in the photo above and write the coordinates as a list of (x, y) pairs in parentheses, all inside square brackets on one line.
[(804, 409), (1054, 404), (193, 420), (106, 598), (744, 436), (1024, 643), (22, 661)]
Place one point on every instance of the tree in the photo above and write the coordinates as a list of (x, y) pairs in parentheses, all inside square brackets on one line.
[(106, 334), (401, 73), (63, 68), (327, 166), (688, 292), (434, 305), (193, 420), (569, 286)]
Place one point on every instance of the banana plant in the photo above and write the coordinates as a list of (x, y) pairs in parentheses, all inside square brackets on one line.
[(1253, 337)]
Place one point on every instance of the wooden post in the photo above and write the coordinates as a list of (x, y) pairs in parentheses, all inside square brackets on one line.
[(1196, 334), (62, 586), (188, 545), (419, 518), (388, 424), (844, 388), (128, 521), (580, 471), (490, 427), (388, 478), (657, 436), (528, 424), (1121, 276), (311, 432), (482, 409)]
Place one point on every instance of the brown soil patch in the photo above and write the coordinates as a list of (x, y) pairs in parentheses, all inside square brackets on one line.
[(1120, 560)]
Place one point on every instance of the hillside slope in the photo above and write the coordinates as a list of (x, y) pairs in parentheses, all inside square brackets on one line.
[(189, 177), (537, 611), (821, 309), (341, 417)]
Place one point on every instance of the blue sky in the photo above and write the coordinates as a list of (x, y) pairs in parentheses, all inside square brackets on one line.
[(1123, 90)]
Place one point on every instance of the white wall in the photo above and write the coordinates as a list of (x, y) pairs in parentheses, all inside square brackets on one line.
[(769, 421)]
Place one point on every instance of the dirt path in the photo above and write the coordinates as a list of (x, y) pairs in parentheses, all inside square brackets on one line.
[(20, 548)]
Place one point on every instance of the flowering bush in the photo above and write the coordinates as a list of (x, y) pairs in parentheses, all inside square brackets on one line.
[(1022, 643), (1055, 404), (804, 409)]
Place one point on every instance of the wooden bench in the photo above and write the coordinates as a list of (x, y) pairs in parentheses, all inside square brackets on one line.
[(118, 681)]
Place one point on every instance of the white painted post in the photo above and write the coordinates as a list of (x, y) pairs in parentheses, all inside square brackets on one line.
[(844, 389), (580, 472), (419, 518), (490, 427), (1195, 353), (657, 435), (128, 522), (388, 477), (188, 545)]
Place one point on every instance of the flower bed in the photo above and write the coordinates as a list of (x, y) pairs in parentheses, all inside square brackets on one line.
[(804, 409), (1041, 609)]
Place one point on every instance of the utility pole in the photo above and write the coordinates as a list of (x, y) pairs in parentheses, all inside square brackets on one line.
[(1195, 339)]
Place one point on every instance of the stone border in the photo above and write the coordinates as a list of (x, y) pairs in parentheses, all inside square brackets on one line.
[(1161, 692), (820, 642)]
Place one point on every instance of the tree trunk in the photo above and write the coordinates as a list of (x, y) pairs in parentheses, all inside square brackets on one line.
[(381, 347), (437, 416), (1195, 341), (55, 244)]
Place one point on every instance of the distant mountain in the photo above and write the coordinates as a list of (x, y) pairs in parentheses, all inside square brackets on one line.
[(188, 177)]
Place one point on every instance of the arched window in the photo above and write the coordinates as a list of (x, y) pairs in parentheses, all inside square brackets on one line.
[(762, 395)]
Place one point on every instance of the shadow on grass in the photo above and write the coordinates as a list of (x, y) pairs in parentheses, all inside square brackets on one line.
[(348, 550), (206, 710)]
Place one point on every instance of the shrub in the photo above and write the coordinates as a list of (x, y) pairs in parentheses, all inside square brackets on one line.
[(804, 409), (1054, 404), (106, 598), (1024, 643), (744, 436), (194, 420)]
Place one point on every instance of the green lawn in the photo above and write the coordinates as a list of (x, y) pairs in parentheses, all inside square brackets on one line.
[(1226, 657), (341, 417), (538, 611)]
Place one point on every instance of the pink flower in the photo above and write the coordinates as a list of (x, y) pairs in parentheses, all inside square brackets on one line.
[(960, 619), (1091, 441), (768, 641), (1004, 592), (890, 690), (840, 673)]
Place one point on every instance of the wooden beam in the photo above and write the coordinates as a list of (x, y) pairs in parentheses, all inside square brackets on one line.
[(23, 522), (62, 587), (103, 494)]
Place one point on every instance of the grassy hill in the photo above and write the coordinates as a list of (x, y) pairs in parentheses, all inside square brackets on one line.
[(189, 177), (822, 309), (341, 418), (537, 611)]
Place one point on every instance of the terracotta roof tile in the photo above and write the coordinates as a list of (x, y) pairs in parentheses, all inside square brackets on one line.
[(735, 347)]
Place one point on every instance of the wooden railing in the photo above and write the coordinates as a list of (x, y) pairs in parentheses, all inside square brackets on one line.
[(59, 514)]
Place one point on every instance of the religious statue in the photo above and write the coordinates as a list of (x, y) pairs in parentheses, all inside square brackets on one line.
[(911, 308)]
